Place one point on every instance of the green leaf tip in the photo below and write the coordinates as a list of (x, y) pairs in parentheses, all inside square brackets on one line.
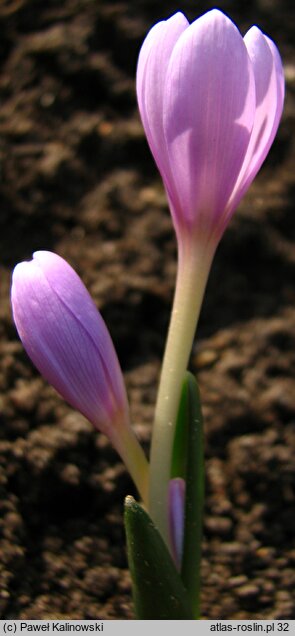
[(158, 591)]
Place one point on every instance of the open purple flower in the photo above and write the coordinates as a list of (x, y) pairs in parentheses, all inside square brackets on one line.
[(210, 103), (67, 340)]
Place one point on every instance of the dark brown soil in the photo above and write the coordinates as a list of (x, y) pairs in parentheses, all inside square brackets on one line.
[(77, 178)]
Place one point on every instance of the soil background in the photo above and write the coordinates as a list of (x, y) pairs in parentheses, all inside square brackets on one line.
[(77, 178)]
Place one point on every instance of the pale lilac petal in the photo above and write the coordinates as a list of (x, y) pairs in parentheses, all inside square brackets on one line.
[(66, 338), (209, 107), (176, 497), (70, 289), (150, 79), (269, 82)]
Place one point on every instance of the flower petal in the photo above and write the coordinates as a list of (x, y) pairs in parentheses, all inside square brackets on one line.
[(66, 338), (152, 66), (269, 82), (209, 106)]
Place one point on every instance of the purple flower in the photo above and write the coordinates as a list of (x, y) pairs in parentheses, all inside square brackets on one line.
[(67, 340), (210, 103)]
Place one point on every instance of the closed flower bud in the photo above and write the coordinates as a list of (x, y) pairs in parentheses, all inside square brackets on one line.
[(176, 501), (67, 340)]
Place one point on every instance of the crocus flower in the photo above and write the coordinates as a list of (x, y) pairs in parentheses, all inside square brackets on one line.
[(210, 103), (67, 340)]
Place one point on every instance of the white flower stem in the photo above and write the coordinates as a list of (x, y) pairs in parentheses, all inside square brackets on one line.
[(135, 460), (193, 269)]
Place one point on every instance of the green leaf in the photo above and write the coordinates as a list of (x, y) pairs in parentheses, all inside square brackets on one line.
[(180, 444), (158, 591), (194, 498)]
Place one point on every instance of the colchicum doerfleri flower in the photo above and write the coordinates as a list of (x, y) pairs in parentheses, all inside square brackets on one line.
[(210, 103), (67, 340)]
